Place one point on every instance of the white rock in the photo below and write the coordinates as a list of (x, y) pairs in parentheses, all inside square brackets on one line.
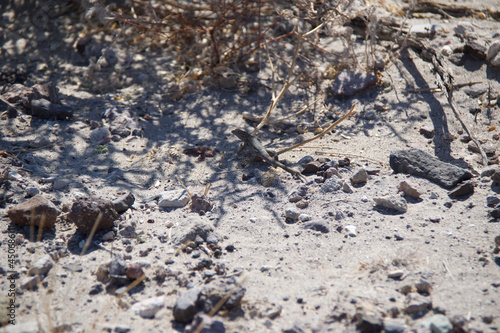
[(304, 217), (292, 213), (149, 307), (173, 199), (493, 54), (425, 30), (351, 230)]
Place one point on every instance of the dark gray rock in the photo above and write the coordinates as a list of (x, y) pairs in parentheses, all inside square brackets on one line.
[(348, 83), (205, 324), (44, 109), (462, 190), (186, 306), (317, 225), (418, 163), (369, 323), (123, 203)]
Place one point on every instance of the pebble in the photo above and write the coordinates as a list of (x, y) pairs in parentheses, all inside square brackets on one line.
[(148, 308), (173, 199), (410, 189), (394, 202), (110, 235), (463, 29), (292, 213), (127, 229), (462, 190), (360, 176), (369, 323), (394, 326), (191, 228), (304, 217), (123, 203), (437, 324), (297, 194), (497, 241), (493, 53), (134, 271), (332, 184), (350, 230), (348, 83), (99, 134), (21, 213), (122, 329), (186, 305), (417, 306), (59, 184), (32, 190), (423, 287), (428, 132), (397, 274), (203, 323)]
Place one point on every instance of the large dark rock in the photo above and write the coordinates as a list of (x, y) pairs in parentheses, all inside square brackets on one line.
[(418, 163), (84, 214), (37, 209)]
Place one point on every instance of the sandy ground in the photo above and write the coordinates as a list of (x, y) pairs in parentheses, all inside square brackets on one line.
[(319, 280)]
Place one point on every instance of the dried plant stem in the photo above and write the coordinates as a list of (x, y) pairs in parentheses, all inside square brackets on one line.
[(183, 186), (352, 112)]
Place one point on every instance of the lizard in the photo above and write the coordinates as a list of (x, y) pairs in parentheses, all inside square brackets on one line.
[(257, 149)]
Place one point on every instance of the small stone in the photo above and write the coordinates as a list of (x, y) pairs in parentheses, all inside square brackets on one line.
[(475, 49), (397, 274), (311, 167), (317, 225), (350, 230), (203, 323), (493, 53), (394, 326), (110, 235), (173, 199), (292, 213), (127, 229), (496, 178), (134, 271), (497, 241), (122, 329), (462, 190), (96, 289), (267, 178), (32, 190), (427, 132), (41, 208), (117, 267), (490, 171), (417, 305), (394, 202), (99, 134), (59, 184), (42, 266), (123, 203), (437, 324), (369, 323), (185, 307), (423, 287), (348, 83), (410, 189), (148, 308), (304, 217), (360, 176), (297, 194), (332, 184)]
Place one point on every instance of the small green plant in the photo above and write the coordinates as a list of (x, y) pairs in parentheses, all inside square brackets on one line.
[(101, 149)]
